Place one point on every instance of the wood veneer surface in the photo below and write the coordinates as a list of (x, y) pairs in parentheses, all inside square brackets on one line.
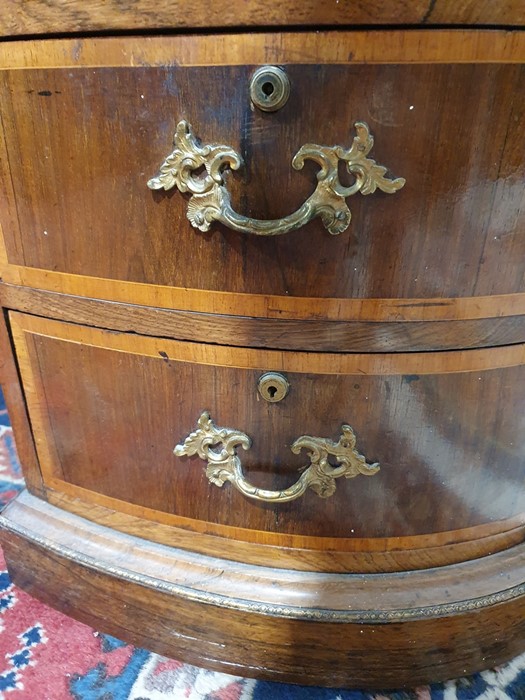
[(85, 124), (294, 552), (437, 430), (454, 131), (284, 333)]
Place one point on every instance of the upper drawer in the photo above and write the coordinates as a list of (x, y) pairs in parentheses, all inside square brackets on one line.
[(88, 123)]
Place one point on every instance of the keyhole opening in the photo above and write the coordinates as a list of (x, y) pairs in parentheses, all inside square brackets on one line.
[(267, 88), (272, 386)]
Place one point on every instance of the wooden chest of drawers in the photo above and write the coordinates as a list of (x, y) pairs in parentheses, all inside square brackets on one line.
[(360, 519)]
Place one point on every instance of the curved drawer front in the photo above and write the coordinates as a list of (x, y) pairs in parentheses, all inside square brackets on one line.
[(445, 430), (83, 137)]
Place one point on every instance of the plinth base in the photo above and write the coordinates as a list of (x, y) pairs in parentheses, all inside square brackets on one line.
[(353, 630)]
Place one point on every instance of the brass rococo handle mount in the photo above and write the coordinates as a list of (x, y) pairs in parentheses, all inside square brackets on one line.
[(218, 447), (210, 200)]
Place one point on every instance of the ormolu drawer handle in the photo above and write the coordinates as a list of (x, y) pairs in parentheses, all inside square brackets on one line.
[(210, 199), (218, 446)]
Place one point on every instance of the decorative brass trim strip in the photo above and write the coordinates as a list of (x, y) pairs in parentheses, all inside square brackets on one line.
[(210, 200), (225, 465)]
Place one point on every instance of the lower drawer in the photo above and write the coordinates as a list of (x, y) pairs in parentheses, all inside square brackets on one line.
[(436, 471)]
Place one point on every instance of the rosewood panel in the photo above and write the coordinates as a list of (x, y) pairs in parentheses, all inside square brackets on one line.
[(79, 140), (446, 429)]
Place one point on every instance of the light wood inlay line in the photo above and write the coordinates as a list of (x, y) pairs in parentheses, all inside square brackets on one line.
[(443, 46), (3, 252), (62, 489), (247, 358), (268, 306), (34, 389)]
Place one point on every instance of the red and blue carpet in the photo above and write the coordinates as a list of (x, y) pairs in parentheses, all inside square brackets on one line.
[(45, 655)]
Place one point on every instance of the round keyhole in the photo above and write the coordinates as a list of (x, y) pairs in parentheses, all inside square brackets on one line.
[(273, 386), (269, 88)]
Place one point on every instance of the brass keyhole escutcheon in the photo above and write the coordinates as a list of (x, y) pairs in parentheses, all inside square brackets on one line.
[(273, 386), (269, 88)]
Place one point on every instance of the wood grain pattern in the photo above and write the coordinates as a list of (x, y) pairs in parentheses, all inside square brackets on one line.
[(273, 360), (156, 604), (9, 214), (294, 552), (125, 117), (283, 333), (437, 429), (74, 16), (271, 306), (312, 553), (452, 199), (346, 598), (124, 324), (344, 48)]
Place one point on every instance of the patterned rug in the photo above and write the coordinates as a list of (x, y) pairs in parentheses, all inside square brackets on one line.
[(45, 655)]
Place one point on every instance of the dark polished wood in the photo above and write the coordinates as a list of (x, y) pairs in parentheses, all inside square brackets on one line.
[(124, 324), (436, 433), (454, 131), (18, 17), (288, 334), (319, 629)]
